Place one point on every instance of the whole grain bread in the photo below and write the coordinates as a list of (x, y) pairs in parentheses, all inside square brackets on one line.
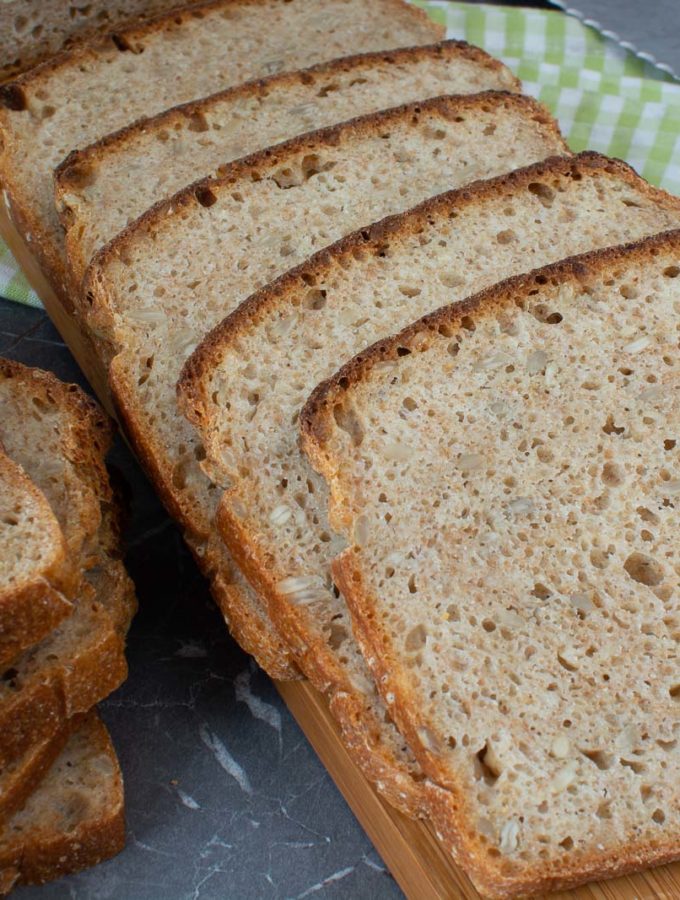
[(245, 386), (106, 186), (89, 91), (36, 575), (266, 213), (539, 461), (75, 818), (31, 31)]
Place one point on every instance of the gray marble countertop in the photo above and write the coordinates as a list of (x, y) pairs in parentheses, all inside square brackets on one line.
[(225, 797)]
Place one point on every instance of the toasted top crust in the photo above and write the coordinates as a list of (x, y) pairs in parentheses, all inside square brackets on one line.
[(558, 386), (104, 187), (92, 90)]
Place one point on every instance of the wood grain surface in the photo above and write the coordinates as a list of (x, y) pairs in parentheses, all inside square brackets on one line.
[(410, 849)]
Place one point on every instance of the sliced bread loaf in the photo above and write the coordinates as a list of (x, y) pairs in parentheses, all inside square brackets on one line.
[(104, 187), (89, 91), (265, 214), (525, 538), (74, 819), (273, 515), (36, 576), (30, 31)]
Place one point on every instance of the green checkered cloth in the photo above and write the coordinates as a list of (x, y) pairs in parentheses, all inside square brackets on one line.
[(605, 97)]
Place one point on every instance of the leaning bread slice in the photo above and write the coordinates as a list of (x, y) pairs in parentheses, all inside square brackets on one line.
[(525, 538), (227, 237), (273, 514), (30, 31), (75, 819), (104, 187), (36, 576), (89, 91), (60, 437)]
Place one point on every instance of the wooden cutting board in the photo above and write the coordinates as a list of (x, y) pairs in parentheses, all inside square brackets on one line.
[(410, 849)]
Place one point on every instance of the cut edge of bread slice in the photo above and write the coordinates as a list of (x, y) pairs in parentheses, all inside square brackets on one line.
[(83, 167), (450, 807), (75, 817), (38, 597)]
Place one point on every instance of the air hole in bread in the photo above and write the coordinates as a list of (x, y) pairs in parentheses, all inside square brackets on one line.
[(346, 418), (205, 196), (198, 122), (543, 193), (644, 569)]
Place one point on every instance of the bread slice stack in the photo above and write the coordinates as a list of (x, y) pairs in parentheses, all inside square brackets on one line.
[(61, 805), (464, 537)]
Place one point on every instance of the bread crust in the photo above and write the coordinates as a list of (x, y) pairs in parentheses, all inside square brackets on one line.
[(448, 806)]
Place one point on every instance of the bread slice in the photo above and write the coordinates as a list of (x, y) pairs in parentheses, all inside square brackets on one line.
[(273, 515), (30, 31), (104, 187), (267, 213), (74, 820), (539, 462), (36, 576), (87, 92), (60, 437), (20, 778)]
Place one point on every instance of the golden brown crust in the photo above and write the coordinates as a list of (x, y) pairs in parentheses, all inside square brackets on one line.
[(80, 164), (494, 876)]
